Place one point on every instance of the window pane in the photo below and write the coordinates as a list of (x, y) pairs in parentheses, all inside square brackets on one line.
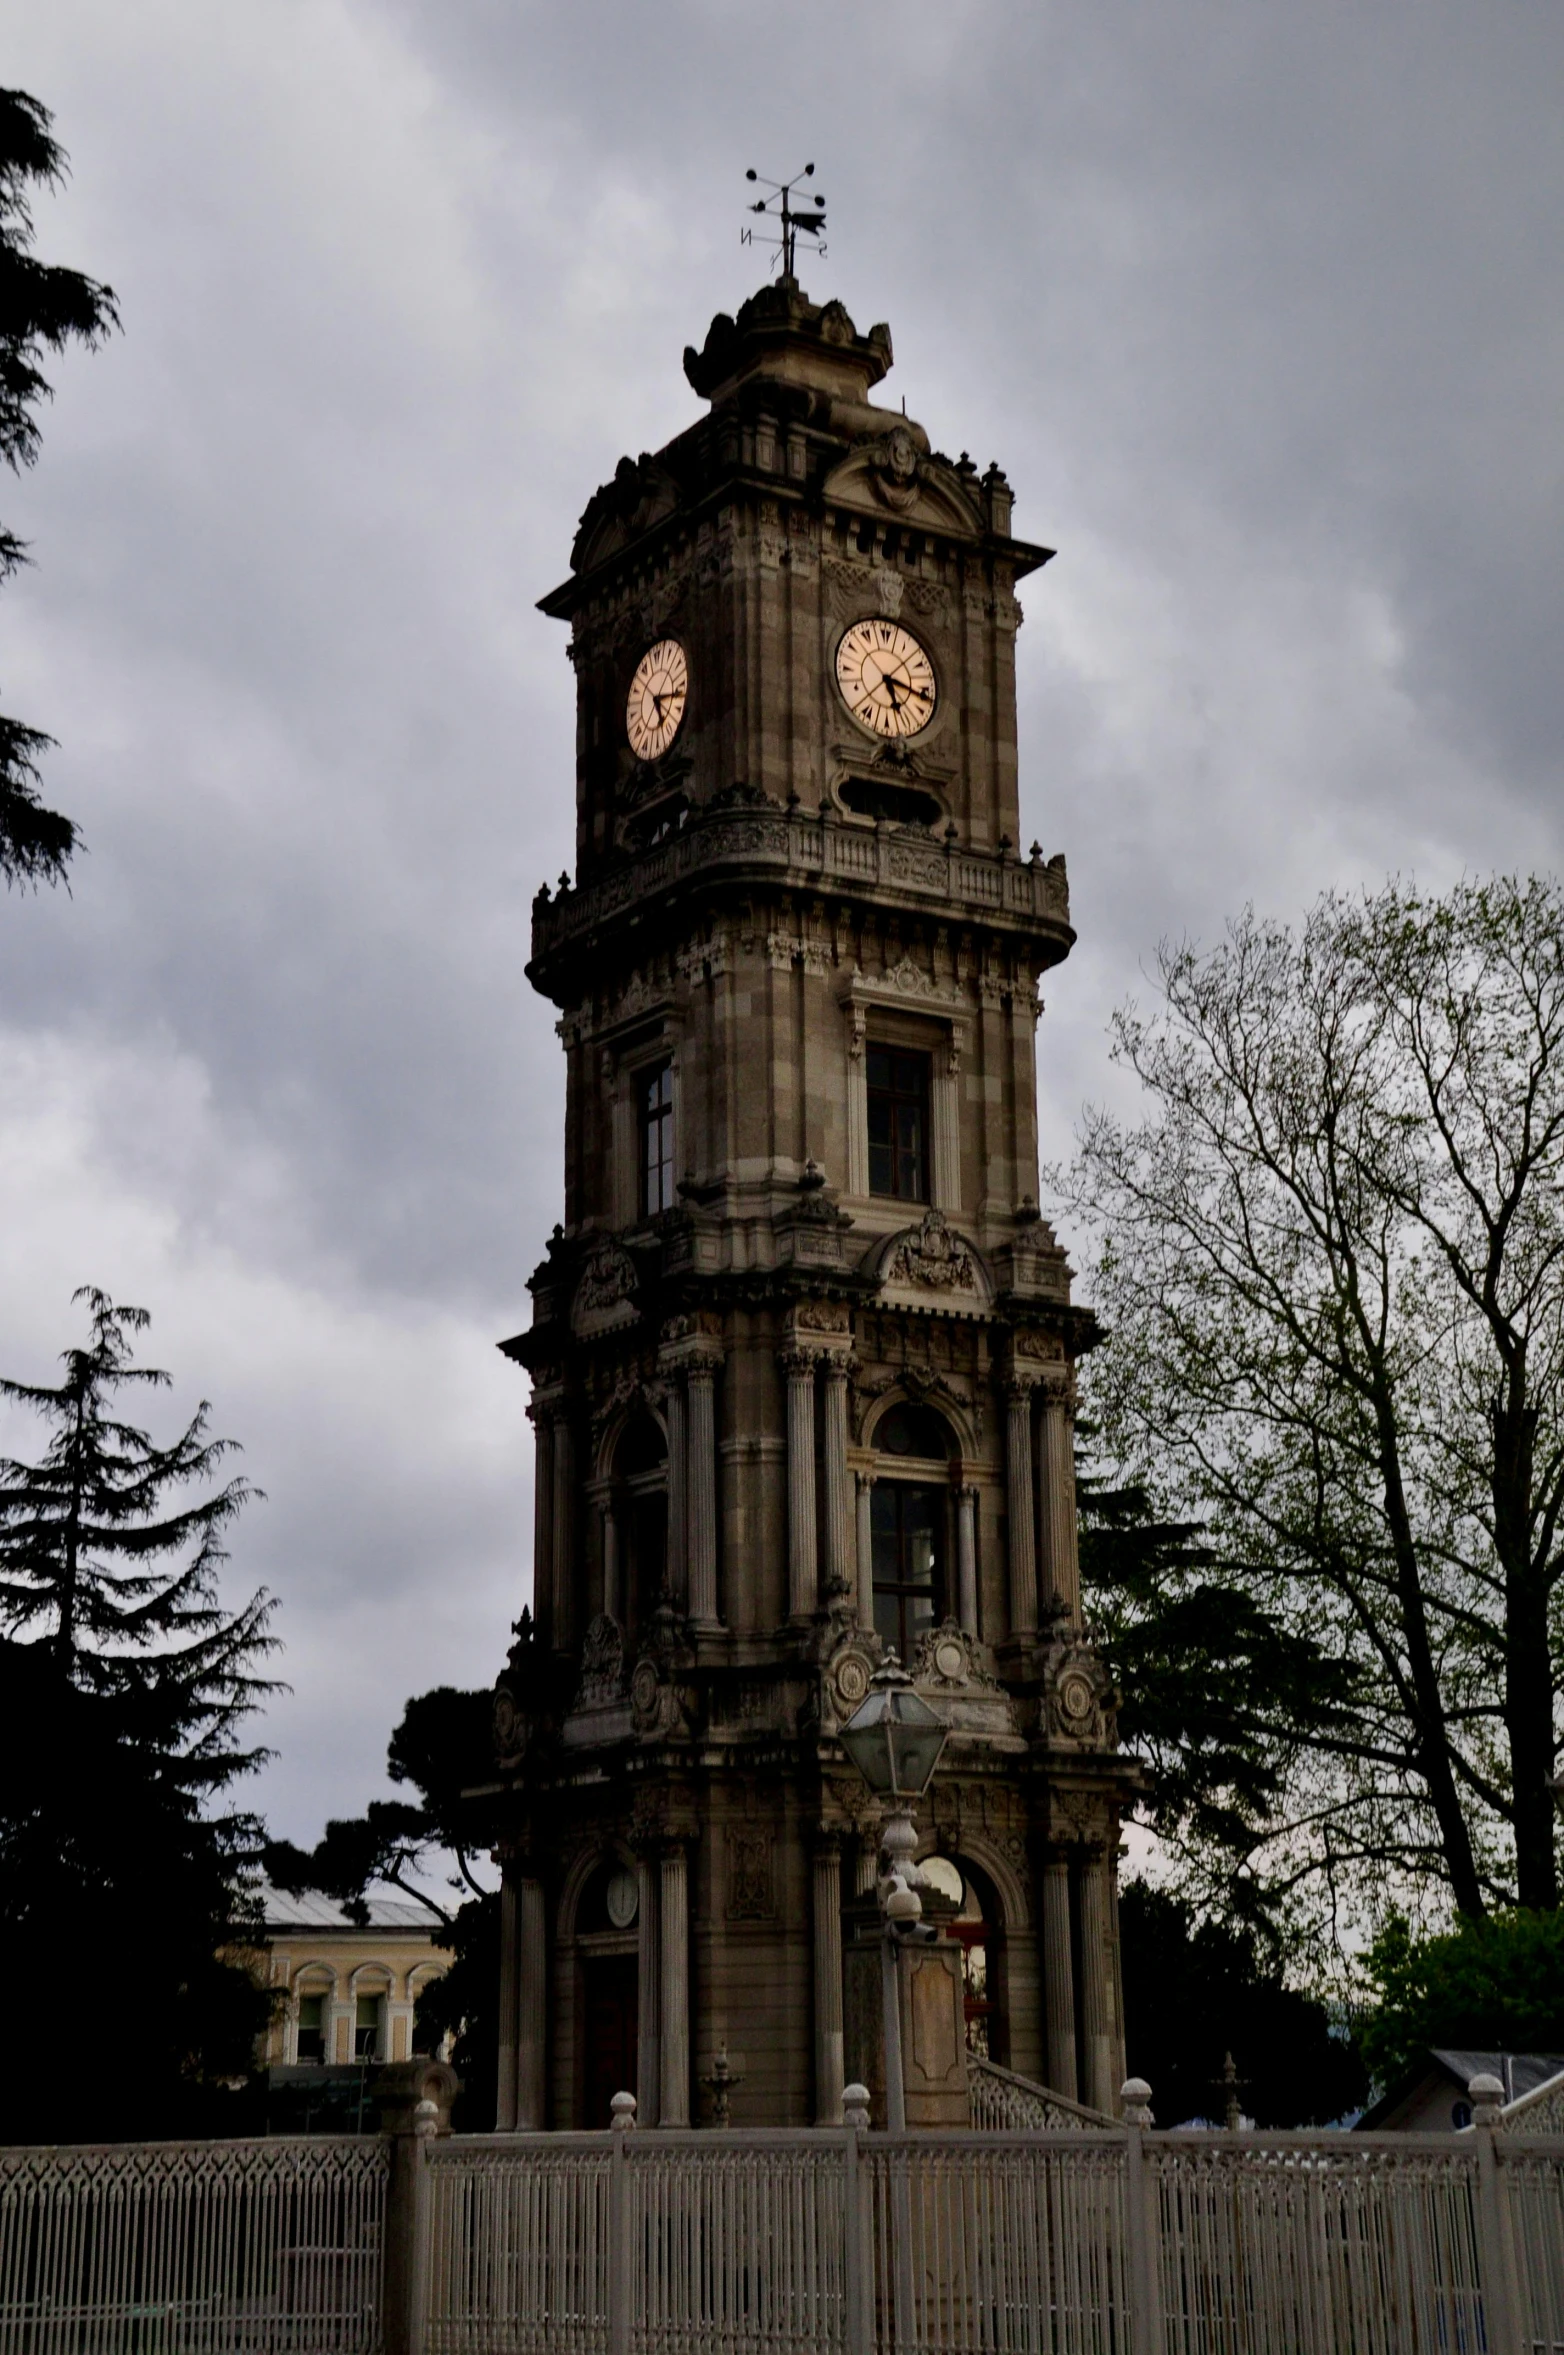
[(898, 1089)]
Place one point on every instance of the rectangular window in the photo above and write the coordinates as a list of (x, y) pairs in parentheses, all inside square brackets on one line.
[(312, 2028), (656, 1110), (898, 1082), (907, 1530), (366, 2028)]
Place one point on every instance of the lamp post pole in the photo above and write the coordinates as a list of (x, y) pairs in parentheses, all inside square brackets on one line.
[(895, 1740)]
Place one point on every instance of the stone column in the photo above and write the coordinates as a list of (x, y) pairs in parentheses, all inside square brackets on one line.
[(678, 1448), (701, 1495), (532, 2008), (1061, 1555), (1020, 1509), (1096, 1997), (564, 1537), (543, 1522), (675, 1941), (802, 1575), (828, 1983), (837, 1511), (1058, 1975), (865, 1550), (613, 1601), (648, 2067), (505, 2087), (966, 1559)]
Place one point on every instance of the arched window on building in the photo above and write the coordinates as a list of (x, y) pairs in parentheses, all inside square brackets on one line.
[(975, 1921), (909, 1524)]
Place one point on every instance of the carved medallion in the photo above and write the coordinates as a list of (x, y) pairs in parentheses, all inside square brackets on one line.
[(930, 1256)]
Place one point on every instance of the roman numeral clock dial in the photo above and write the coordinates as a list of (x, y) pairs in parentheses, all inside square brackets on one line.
[(886, 678), (656, 701)]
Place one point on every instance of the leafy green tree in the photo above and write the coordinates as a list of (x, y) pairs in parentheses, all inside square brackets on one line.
[(442, 1748), (1195, 1991), (1486, 1986), (43, 307), (1330, 1257), (124, 1683)]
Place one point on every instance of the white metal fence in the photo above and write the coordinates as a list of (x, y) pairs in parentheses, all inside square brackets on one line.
[(1057, 2243), (164, 2248), (1074, 2241)]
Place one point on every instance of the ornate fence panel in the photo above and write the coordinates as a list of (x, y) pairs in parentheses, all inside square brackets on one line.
[(193, 2248), (1016, 2244), (520, 2240), (1004, 2103)]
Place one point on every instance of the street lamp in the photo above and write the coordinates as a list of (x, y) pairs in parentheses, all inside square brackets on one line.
[(894, 1739)]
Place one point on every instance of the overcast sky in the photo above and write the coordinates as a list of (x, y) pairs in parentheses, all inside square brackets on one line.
[(1260, 306)]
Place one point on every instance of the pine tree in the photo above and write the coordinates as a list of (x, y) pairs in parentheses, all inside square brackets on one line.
[(43, 306), (123, 1684)]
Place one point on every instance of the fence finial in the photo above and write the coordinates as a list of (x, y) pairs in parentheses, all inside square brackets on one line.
[(1135, 2094), (855, 2105), (1487, 2099), (622, 2109)]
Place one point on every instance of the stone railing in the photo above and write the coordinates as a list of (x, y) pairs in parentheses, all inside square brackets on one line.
[(1003, 2103), (1539, 2112), (899, 861)]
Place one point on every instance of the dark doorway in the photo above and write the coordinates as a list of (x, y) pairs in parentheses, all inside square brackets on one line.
[(609, 2027)]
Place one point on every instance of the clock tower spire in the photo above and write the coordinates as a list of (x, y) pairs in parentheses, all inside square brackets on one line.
[(802, 1350)]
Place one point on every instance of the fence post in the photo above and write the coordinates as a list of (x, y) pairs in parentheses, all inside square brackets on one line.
[(415, 2106), (620, 2286), (1142, 2221), (857, 2323), (1495, 2243)]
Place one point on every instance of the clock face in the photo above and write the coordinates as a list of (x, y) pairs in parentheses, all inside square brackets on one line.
[(887, 680), (656, 702), (624, 1901)]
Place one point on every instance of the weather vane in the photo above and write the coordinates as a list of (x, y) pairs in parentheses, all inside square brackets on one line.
[(778, 208)]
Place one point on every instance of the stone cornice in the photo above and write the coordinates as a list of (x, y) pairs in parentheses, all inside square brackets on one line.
[(724, 851)]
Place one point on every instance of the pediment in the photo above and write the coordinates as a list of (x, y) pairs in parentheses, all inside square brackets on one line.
[(931, 1266), (640, 496), (892, 477)]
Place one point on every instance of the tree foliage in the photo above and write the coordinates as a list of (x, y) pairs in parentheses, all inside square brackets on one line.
[(1195, 1991), (124, 1684), (1218, 1690), (1331, 1260), (43, 308), (443, 1747), (1486, 1986)]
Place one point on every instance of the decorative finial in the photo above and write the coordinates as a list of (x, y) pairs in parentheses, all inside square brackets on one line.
[(778, 207)]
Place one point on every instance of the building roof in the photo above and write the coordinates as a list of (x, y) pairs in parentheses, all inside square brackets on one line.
[(312, 1911), (1518, 2072)]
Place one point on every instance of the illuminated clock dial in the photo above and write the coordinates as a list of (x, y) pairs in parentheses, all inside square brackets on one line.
[(887, 680), (656, 701)]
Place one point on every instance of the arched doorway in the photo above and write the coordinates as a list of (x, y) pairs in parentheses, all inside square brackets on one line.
[(607, 1938), (974, 1919), (909, 1524)]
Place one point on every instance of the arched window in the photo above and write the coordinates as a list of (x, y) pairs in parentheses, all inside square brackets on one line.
[(909, 1519), (973, 1920)]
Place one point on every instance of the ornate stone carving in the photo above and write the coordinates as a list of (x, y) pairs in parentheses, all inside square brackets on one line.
[(607, 1279), (823, 1316), (931, 1256), (751, 1885), (949, 1658), (1079, 1704), (602, 1664)]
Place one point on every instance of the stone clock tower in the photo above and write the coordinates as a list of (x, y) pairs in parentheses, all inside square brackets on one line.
[(802, 1351)]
